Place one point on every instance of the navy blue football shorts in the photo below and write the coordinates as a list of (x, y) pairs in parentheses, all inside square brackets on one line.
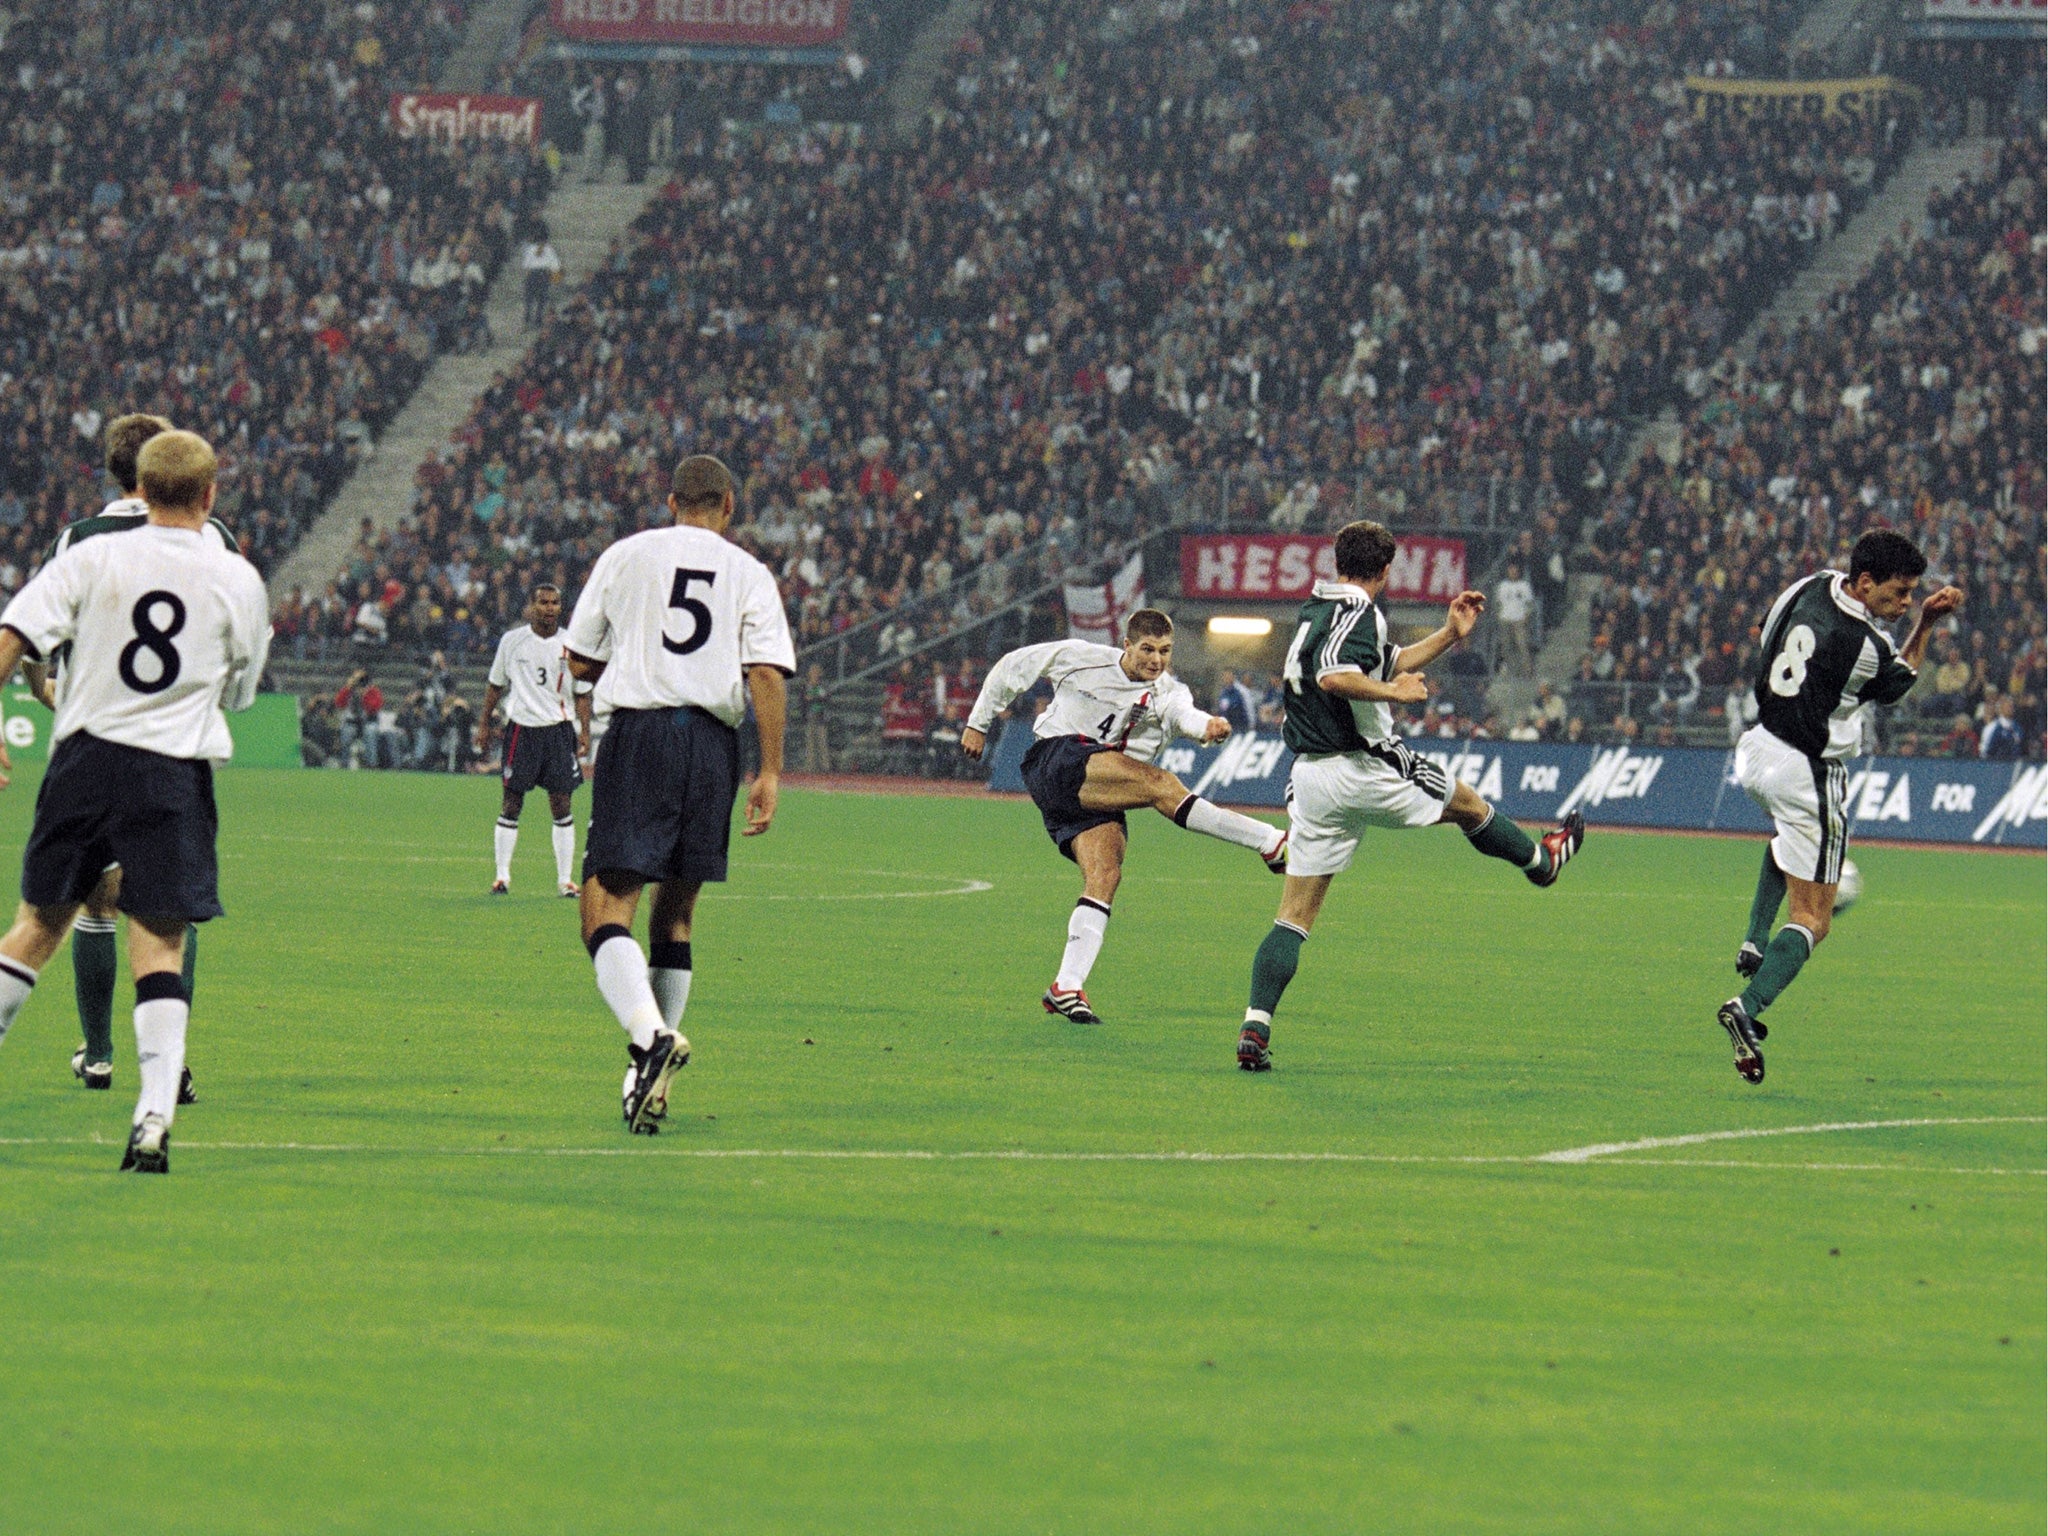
[(661, 796), (103, 803), (1054, 770)]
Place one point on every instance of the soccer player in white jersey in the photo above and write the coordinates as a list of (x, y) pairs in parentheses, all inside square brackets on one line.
[(678, 628), (1111, 712), (548, 729), (93, 960), (166, 629)]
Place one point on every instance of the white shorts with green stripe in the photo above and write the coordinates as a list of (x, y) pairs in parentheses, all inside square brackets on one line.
[(1332, 799), (1805, 799)]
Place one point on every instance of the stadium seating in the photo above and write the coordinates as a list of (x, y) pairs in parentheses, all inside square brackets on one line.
[(1916, 401), (202, 213)]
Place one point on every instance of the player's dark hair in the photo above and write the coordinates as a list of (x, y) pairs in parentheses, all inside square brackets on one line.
[(1364, 549), (701, 481), (1885, 554), (125, 437), (1147, 624)]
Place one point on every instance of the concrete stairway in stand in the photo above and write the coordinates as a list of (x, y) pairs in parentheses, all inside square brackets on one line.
[(585, 219)]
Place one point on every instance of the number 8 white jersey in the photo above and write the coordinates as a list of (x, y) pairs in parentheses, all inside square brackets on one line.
[(166, 628), (676, 614)]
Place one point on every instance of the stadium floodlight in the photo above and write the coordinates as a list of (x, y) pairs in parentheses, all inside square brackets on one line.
[(1224, 624)]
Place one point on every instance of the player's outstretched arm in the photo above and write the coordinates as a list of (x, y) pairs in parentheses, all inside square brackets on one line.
[(1939, 605), (1464, 612), (770, 692), (1407, 688), (1006, 679)]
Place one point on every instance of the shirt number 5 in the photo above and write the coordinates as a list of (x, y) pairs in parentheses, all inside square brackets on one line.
[(700, 616)]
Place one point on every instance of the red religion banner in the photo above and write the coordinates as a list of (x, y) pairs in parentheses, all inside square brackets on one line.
[(513, 119), (748, 23), (1279, 567)]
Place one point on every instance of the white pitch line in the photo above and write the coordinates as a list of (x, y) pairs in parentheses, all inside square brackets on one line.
[(1571, 1156), (1697, 1138)]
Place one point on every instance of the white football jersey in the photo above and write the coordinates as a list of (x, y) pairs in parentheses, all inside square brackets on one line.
[(676, 614), (1093, 697), (534, 673), (166, 630)]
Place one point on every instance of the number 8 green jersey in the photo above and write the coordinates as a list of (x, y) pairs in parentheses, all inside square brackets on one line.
[(1824, 658), (1339, 629)]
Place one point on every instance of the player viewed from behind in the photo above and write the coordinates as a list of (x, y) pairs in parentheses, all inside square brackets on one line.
[(678, 628), (165, 628), (547, 729), (1352, 771), (1823, 658), (1111, 712), (93, 963)]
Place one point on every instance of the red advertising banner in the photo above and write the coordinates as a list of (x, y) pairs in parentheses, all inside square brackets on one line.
[(751, 23), (1282, 567), (511, 119)]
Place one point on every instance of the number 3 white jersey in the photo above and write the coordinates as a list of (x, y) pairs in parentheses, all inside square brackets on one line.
[(1092, 697), (534, 672), (676, 614), (166, 629)]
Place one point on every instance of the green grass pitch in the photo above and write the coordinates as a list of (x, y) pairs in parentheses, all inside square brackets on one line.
[(410, 1275)]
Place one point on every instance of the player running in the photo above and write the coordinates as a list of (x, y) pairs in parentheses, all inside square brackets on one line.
[(1823, 658), (1351, 771), (166, 629), (93, 964), (678, 628), (548, 717), (1111, 712)]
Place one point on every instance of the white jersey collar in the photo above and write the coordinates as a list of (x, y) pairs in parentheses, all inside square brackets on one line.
[(1838, 588), (1337, 591)]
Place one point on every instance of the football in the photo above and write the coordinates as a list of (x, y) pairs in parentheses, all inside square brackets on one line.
[(1849, 888)]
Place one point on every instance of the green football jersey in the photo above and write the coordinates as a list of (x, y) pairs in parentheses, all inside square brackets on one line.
[(1823, 659), (1340, 629)]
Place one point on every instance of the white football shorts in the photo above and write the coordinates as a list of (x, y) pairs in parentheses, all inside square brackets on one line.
[(1805, 799), (1332, 800)]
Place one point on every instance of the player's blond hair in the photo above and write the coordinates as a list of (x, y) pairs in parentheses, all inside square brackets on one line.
[(175, 470)]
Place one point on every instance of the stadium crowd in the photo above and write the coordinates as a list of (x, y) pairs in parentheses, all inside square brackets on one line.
[(1916, 401), (203, 214), (1137, 261)]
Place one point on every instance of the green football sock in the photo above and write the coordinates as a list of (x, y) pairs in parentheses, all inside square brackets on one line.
[(1499, 838), (1788, 952), (1770, 895), (92, 970), (1272, 968), (191, 968)]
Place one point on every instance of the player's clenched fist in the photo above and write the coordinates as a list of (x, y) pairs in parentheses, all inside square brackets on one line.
[(972, 742), (1410, 688), (1218, 730)]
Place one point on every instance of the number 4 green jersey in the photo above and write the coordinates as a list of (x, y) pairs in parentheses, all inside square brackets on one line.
[(1339, 629), (1824, 658)]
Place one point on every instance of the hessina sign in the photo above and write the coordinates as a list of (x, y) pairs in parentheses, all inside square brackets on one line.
[(1922, 799)]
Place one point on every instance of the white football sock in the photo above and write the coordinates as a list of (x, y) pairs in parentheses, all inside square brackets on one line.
[(671, 993), (503, 841), (564, 836), (1086, 927), (1198, 815), (622, 978), (16, 982), (160, 1051)]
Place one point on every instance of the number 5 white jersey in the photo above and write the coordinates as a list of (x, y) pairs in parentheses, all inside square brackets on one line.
[(166, 629), (676, 614)]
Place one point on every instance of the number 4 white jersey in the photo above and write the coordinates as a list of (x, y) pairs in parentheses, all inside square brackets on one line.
[(534, 672), (166, 629), (1092, 697), (676, 614)]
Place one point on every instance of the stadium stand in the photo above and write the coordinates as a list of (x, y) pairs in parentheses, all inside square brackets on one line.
[(1915, 400), (238, 243)]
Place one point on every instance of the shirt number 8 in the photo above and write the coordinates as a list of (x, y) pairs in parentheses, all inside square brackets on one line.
[(1788, 672)]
